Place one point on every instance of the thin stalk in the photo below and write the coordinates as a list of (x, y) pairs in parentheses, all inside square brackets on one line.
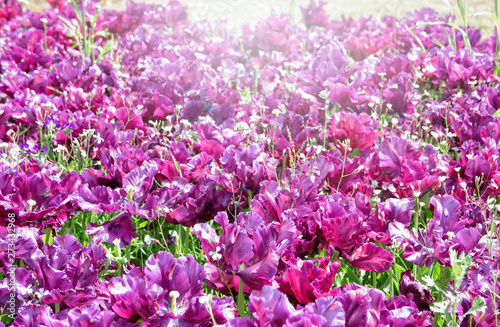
[(391, 287), (84, 28), (343, 167), (254, 88), (494, 296), (48, 234), (324, 134), (241, 297), (185, 233), (118, 256), (249, 197)]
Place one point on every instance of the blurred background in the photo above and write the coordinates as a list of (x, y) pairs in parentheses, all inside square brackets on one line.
[(241, 12)]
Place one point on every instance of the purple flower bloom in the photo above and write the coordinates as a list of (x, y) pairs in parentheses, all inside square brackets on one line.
[(236, 252), (447, 213), (131, 299), (307, 282), (120, 228), (421, 294), (270, 307), (371, 257), (314, 14)]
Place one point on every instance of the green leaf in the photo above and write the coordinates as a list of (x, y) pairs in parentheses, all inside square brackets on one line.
[(353, 278), (6, 319), (459, 267), (78, 13), (176, 164), (441, 307), (478, 305), (429, 282)]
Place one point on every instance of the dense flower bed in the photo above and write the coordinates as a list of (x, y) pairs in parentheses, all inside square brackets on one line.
[(158, 172)]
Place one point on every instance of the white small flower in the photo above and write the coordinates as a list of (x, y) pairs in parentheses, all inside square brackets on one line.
[(99, 138), (216, 256), (147, 240), (185, 122)]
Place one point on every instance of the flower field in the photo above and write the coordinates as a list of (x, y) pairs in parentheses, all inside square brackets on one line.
[(161, 172)]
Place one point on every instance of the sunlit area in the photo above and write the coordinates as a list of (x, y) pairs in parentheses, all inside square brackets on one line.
[(249, 163)]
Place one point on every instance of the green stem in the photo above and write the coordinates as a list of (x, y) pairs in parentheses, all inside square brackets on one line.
[(84, 28), (327, 103), (343, 167), (186, 235), (241, 297), (118, 256), (119, 271), (454, 317), (48, 234), (249, 198), (57, 307), (391, 277), (254, 91)]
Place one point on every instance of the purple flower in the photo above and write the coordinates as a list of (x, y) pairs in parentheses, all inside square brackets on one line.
[(183, 275), (371, 257), (270, 307), (131, 299), (249, 250), (120, 228), (388, 211), (97, 199), (421, 294), (315, 14), (307, 282), (363, 306), (324, 312), (447, 213)]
